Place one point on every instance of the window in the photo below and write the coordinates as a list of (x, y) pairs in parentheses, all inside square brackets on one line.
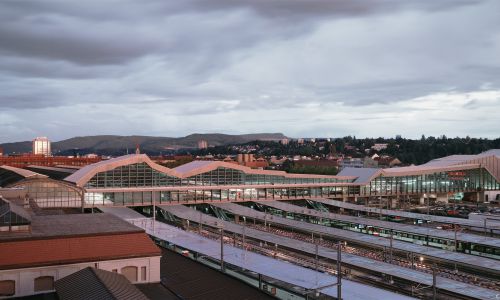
[(143, 273), (44, 283), (115, 270), (130, 273), (7, 288)]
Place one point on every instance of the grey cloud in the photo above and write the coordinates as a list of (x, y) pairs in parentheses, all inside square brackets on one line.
[(199, 58)]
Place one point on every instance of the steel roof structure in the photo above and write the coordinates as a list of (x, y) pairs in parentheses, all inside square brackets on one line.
[(420, 230), (187, 213), (470, 261)]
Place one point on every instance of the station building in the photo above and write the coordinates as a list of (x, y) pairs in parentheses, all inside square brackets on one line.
[(135, 180)]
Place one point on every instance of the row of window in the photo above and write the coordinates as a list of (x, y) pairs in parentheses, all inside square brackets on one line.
[(46, 283), (456, 181), (131, 198), (137, 175), (41, 284)]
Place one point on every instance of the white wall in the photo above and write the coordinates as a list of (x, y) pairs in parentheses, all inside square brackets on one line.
[(25, 278)]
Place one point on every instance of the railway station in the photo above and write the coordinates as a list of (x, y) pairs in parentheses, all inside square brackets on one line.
[(362, 265), (448, 240), (296, 235)]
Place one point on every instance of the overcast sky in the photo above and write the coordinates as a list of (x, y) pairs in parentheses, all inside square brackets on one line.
[(307, 68)]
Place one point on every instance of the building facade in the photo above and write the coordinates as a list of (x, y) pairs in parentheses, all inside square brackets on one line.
[(135, 180), (59, 245), (41, 146)]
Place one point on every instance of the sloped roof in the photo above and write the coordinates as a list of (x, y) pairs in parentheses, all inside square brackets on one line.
[(56, 169), (490, 160), (90, 283), (70, 250), (23, 172), (364, 175), (194, 165)]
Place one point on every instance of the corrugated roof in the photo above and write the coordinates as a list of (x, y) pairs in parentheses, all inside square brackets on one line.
[(70, 250), (90, 283)]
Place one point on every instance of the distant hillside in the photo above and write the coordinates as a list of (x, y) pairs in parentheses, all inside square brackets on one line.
[(114, 144)]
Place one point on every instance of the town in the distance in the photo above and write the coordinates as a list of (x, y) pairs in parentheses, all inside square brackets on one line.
[(264, 216)]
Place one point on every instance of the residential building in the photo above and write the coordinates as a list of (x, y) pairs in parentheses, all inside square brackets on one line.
[(202, 144), (41, 146)]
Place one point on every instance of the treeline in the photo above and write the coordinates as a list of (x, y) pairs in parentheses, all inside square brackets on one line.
[(426, 148), (409, 151)]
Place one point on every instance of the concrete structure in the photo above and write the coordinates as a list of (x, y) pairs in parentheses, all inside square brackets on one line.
[(41, 146)]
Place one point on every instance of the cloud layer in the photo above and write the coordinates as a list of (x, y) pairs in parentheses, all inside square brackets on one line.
[(301, 67)]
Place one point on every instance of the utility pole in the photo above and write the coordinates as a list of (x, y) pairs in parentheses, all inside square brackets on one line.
[(221, 248), (316, 260), (428, 204), (243, 237), (456, 244), (390, 250), (199, 223), (154, 209), (412, 260), (339, 271), (434, 290)]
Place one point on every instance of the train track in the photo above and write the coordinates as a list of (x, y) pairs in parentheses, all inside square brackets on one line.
[(420, 266)]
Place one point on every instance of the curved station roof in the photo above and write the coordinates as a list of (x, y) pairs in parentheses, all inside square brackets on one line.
[(490, 160), (83, 175)]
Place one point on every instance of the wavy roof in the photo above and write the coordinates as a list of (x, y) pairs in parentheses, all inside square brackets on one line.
[(82, 176), (489, 160)]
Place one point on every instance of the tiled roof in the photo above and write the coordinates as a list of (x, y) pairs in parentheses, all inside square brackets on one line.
[(90, 283), (68, 250)]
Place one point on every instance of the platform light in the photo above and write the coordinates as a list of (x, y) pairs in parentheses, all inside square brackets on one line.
[(421, 258)]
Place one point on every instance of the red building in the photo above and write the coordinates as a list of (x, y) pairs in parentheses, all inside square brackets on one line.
[(22, 161)]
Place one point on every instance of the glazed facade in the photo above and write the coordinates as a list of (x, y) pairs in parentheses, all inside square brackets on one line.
[(141, 184), (472, 180)]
